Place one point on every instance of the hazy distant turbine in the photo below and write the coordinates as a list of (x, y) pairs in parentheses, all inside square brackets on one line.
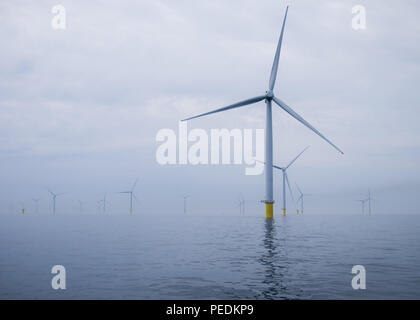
[(241, 205), (286, 179), (369, 199), (54, 196), (301, 199), (269, 97), (363, 205), (132, 195), (80, 206)]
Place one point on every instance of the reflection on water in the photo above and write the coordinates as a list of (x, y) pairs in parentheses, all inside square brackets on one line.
[(142, 257), (274, 260), (271, 260)]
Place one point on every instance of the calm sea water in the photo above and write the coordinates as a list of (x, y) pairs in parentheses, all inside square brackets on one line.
[(221, 257)]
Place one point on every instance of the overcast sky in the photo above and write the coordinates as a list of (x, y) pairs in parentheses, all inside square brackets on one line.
[(80, 108)]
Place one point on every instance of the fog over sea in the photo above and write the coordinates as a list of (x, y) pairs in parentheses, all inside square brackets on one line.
[(141, 256)]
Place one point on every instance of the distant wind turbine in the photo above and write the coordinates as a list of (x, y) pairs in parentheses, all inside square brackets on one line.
[(241, 205), (23, 208), (80, 206), (54, 196), (131, 193), (286, 179), (104, 203), (363, 204), (301, 199), (369, 199), (268, 97)]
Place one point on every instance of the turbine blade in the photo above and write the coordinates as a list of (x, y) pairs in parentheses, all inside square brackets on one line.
[(273, 74), (134, 185), (296, 158), (124, 192), (300, 191), (288, 185), (232, 106), (135, 198), (290, 111)]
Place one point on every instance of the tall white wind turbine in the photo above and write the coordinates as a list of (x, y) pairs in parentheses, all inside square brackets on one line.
[(286, 179), (54, 197), (268, 97), (132, 195)]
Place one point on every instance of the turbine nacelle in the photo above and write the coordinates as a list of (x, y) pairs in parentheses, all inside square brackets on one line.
[(269, 94)]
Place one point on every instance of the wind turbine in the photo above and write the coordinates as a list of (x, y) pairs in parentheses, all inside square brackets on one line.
[(268, 97), (104, 203), (301, 200), (286, 179), (131, 193), (54, 196), (23, 208), (363, 205), (241, 205), (80, 206), (369, 200), (36, 200), (185, 203)]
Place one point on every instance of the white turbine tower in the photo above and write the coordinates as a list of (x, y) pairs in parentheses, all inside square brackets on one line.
[(131, 193), (54, 196), (269, 97)]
